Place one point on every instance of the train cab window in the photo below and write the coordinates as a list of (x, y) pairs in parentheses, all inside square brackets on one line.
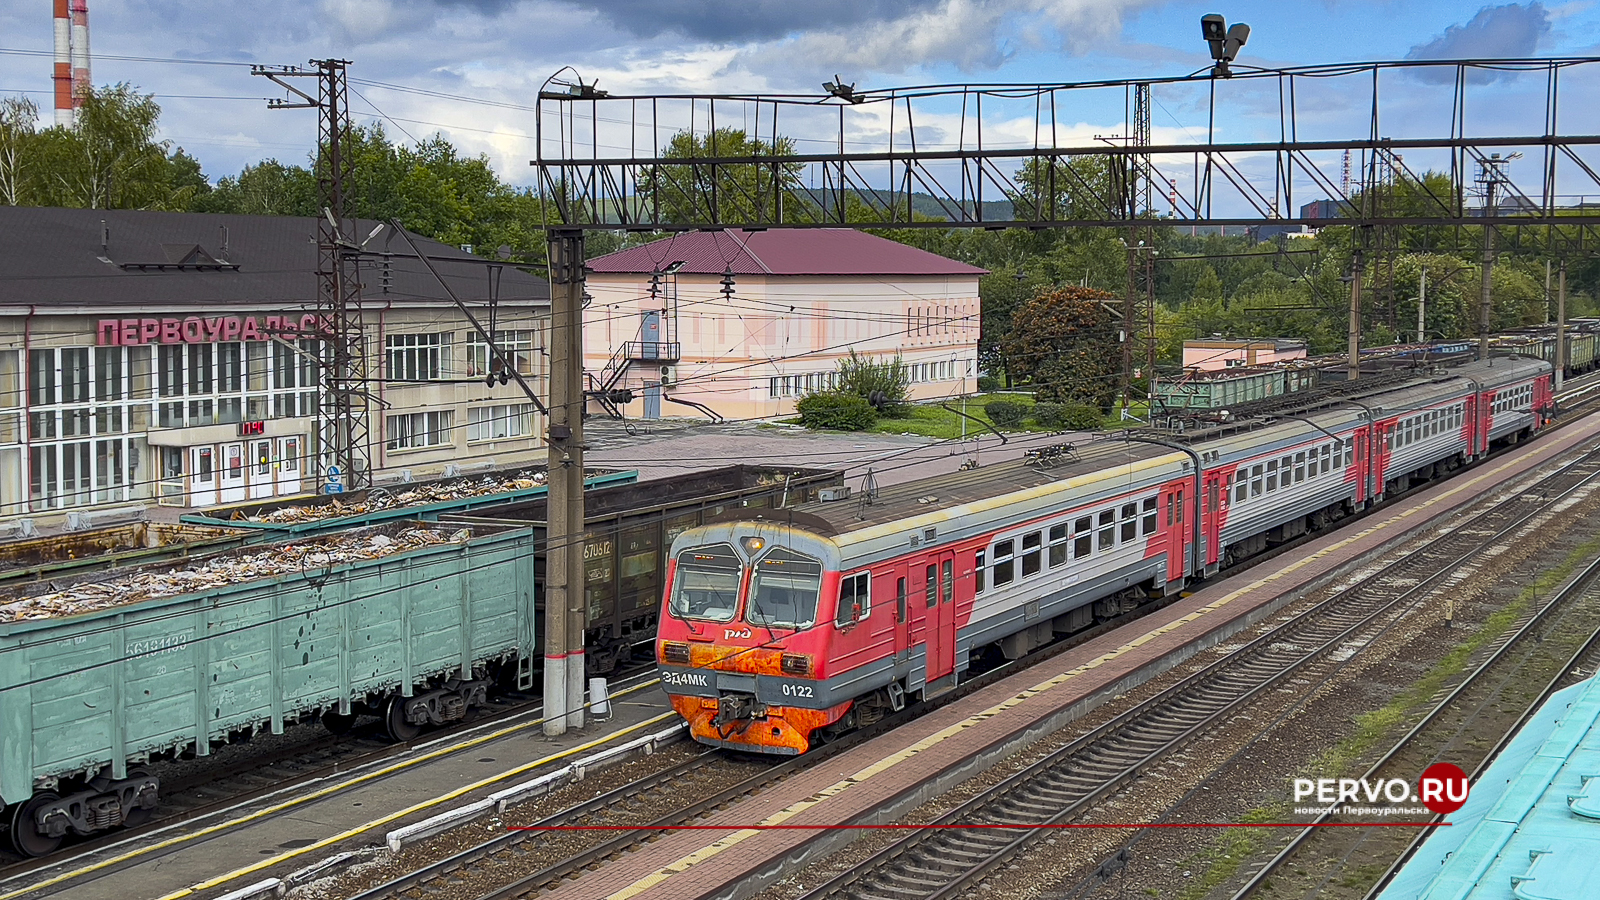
[(1004, 566), (931, 586), (1149, 510), (785, 588), (1032, 555), (1058, 545), (1130, 521), (900, 599), (1081, 542), (1272, 475), (706, 584), (1299, 467), (978, 573), (855, 601), (1108, 532)]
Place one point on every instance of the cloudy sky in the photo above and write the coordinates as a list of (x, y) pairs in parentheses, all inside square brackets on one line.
[(500, 51)]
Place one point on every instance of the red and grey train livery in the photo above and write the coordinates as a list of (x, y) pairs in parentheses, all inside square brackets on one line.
[(783, 626)]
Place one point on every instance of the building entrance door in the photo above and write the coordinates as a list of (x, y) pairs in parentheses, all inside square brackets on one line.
[(289, 465), (231, 483), (259, 472), (650, 335), (202, 476), (652, 399)]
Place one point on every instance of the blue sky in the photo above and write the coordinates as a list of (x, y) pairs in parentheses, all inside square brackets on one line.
[(503, 49)]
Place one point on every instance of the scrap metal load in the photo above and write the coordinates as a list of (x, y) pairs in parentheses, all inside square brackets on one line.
[(221, 571), (380, 499)]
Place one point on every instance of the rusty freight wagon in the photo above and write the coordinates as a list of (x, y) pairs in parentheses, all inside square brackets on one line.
[(629, 527)]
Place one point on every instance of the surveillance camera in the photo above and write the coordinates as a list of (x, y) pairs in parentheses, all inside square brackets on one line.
[(1237, 35), (1213, 27)]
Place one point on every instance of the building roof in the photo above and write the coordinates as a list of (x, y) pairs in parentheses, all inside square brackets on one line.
[(55, 257), (1531, 824), (822, 251)]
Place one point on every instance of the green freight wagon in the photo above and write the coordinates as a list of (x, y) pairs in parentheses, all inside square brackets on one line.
[(630, 526), (1231, 387), (415, 636)]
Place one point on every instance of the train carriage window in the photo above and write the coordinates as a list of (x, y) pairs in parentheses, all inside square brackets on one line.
[(1058, 545), (1031, 554), (1299, 467), (1004, 566), (1170, 505), (1108, 532), (784, 590), (1327, 459), (706, 583), (949, 580), (1272, 475), (855, 601), (931, 586), (1255, 481), (1240, 489), (1080, 538), (1149, 509), (900, 599), (1180, 506), (1130, 521), (978, 573)]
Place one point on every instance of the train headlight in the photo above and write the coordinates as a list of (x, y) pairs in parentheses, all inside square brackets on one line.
[(796, 664), (674, 652), (753, 545)]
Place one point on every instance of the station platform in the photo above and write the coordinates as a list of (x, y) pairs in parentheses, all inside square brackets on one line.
[(884, 778), (277, 834)]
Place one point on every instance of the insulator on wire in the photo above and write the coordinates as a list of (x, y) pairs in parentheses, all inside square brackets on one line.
[(727, 283)]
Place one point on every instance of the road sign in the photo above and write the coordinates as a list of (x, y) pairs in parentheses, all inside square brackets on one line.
[(334, 483)]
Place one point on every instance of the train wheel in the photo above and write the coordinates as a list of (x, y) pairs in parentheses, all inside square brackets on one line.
[(337, 723), (139, 814), (25, 837), (394, 721)]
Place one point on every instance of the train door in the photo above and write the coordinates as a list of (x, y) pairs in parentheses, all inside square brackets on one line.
[(230, 483), (259, 472), (892, 587), (939, 630), (1213, 513), (1360, 439)]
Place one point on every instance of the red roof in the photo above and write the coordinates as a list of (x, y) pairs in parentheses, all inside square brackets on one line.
[(823, 251)]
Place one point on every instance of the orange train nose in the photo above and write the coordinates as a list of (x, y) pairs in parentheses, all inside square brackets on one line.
[(785, 730)]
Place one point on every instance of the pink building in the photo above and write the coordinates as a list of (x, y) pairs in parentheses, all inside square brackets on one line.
[(665, 326), (1216, 353)]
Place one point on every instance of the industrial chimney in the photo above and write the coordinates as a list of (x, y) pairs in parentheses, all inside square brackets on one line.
[(63, 71), (71, 75)]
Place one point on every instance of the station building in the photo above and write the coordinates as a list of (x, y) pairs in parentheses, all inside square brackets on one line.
[(169, 358), (742, 324)]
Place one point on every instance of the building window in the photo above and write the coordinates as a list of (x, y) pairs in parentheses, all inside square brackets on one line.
[(493, 423), (423, 429), (518, 346), (417, 357), (78, 417)]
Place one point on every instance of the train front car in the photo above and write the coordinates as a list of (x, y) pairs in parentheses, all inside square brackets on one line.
[(738, 645)]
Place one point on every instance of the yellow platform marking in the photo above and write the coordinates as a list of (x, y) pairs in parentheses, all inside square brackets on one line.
[(889, 762), (333, 789)]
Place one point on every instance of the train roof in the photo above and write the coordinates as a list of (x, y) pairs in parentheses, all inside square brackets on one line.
[(911, 499)]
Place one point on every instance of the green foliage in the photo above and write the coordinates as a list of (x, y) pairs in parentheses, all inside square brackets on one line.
[(1005, 413), (883, 383), (1067, 416), (1063, 340), (743, 192), (987, 383), (837, 410)]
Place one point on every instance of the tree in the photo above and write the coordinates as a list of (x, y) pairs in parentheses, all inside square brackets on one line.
[(1065, 341), (744, 191), (884, 383), (17, 117)]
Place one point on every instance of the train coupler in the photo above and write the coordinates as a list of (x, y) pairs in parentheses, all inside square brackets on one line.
[(736, 709)]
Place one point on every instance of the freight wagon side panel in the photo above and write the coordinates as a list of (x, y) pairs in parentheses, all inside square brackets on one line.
[(91, 690)]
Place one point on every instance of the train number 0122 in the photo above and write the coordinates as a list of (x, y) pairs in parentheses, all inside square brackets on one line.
[(797, 690)]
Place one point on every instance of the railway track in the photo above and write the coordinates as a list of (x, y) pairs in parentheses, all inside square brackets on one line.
[(255, 776), (943, 860), (1547, 650)]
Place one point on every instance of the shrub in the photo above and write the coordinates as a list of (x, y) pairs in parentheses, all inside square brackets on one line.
[(884, 383), (1048, 415), (1080, 417), (987, 383), (1005, 413), (838, 410)]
